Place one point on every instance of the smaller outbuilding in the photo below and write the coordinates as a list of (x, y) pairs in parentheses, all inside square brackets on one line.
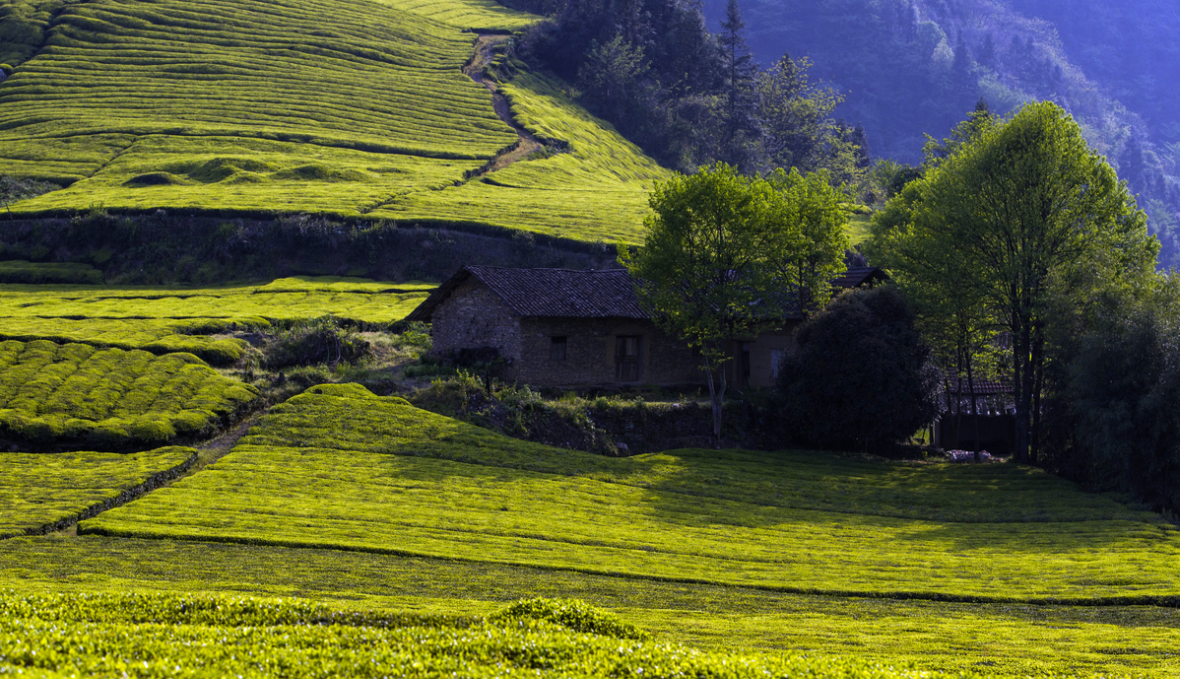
[(558, 327)]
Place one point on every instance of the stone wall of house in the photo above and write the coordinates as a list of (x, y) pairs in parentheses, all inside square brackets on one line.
[(590, 353), (474, 317)]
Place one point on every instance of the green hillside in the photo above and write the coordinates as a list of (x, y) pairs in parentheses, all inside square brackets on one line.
[(38, 490), (422, 484), (351, 108)]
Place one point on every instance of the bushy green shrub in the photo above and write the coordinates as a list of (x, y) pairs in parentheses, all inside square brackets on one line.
[(574, 614), (859, 376), (318, 341)]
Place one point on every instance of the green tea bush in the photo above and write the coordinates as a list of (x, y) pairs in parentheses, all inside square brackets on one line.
[(572, 613), (420, 484), (74, 394), (17, 271)]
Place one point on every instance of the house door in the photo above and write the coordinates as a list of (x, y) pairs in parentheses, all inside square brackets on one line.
[(627, 364)]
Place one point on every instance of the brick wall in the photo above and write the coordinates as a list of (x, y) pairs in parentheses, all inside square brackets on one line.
[(472, 317), (590, 353)]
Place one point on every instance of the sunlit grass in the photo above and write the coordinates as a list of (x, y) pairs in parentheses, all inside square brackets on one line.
[(512, 502), (39, 489), (1003, 639)]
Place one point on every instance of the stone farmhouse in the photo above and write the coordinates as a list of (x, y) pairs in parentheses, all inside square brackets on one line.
[(558, 327)]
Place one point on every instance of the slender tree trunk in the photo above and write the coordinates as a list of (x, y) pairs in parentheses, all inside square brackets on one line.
[(1019, 365), (974, 405), (716, 394), (1038, 366), (959, 399)]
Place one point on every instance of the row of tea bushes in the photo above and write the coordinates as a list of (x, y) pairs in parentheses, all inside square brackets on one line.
[(42, 491), (186, 636), (76, 392)]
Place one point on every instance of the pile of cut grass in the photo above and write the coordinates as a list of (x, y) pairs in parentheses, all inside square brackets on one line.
[(74, 393), (42, 490), (422, 484), (158, 636)]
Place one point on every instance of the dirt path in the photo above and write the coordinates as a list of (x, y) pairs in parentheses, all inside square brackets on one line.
[(206, 455), (526, 142)]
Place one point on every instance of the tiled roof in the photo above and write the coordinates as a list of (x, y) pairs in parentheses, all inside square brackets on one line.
[(857, 276), (563, 293), (547, 293)]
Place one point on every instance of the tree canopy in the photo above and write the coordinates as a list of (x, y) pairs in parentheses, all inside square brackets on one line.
[(727, 256), (1008, 223)]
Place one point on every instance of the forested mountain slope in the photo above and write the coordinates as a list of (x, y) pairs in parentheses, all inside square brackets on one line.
[(914, 67), (352, 108)]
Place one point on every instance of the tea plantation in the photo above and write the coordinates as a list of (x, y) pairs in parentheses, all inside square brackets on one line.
[(72, 393), (41, 490), (350, 108), (165, 320)]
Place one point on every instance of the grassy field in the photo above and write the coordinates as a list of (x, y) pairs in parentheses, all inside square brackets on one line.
[(75, 392), (39, 490), (168, 319), (303, 105), (283, 485)]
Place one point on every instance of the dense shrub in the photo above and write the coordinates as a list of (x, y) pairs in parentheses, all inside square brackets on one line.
[(859, 376), (1113, 419), (319, 341)]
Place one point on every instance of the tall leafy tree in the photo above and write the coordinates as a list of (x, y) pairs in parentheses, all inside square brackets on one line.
[(1024, 208)]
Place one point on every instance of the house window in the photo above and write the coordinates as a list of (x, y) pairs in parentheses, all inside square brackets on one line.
[(776, 359), (627, 363), (557, 348)]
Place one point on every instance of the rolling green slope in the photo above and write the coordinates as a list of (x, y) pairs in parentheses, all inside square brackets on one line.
[(421, 484), (39, 490), (351, 108)]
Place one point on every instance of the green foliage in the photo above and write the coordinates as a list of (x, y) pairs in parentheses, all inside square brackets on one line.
[(1114, 406), (797, 115), (52, 393), (26, 272), (1023, 213), (859, 376), (158, 636), (38, 490), (421, 484), (313, 342), (574, 614), (1005, 640)]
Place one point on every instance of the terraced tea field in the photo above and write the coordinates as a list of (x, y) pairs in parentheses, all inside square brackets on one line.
[(163, 320), (420, 484), (51, 393), (40, 490), (348, 108), (183, 636)]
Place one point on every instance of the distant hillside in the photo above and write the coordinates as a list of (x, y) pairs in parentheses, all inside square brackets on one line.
[(350, 108), (914, 67)]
